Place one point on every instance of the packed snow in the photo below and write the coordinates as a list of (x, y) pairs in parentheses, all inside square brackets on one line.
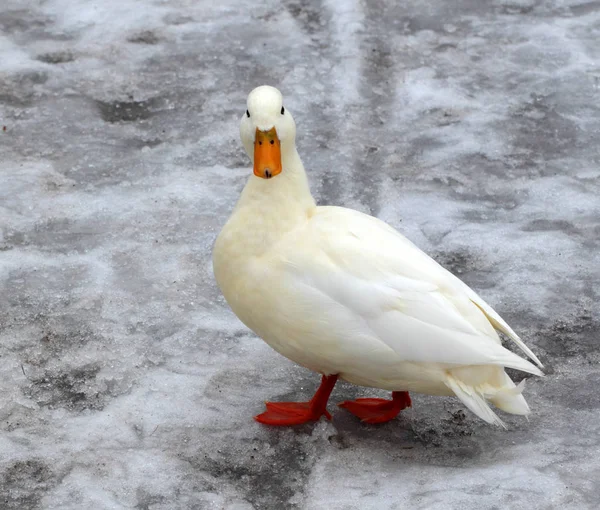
[(127, 382)]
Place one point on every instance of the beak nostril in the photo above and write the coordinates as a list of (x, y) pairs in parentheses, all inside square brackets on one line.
[(272, 142), (259, 143)]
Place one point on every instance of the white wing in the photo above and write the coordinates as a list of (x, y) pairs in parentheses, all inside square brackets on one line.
[(406, 299)]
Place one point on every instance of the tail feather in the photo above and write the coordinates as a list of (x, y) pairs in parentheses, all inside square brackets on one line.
[(511, 400), (475, 401), (509, 359), (507, 396), (499, 324)]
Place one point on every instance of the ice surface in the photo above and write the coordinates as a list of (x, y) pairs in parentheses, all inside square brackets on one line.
[(126, 382)]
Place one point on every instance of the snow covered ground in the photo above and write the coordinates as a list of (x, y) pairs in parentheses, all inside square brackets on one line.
[(126, 382)]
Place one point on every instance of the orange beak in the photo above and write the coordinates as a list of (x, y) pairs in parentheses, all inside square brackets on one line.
[(267, 154)]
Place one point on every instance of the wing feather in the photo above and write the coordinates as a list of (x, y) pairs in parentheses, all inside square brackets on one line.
[(407, 300)]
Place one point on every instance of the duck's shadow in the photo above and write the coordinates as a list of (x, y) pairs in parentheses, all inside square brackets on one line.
[(450, 439), (434, 430)]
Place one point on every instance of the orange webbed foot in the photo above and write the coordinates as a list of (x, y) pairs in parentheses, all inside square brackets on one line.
[(378, 410), (290, 413), (284, 414)]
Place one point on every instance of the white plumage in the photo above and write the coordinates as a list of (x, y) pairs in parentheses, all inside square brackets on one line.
[(341, 292)]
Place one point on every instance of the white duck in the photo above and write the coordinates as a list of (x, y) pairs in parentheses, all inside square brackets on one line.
[(344, 294)]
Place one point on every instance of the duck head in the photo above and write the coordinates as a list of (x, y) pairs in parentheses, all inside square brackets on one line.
[(268, 131)]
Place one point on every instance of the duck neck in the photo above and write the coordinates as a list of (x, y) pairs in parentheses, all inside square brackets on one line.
[(269, 208)]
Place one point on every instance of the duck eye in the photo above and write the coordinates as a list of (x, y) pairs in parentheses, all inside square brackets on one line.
[(247, 114), (282, 110)]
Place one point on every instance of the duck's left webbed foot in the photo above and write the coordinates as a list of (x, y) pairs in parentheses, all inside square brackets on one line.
[(378, 410)]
